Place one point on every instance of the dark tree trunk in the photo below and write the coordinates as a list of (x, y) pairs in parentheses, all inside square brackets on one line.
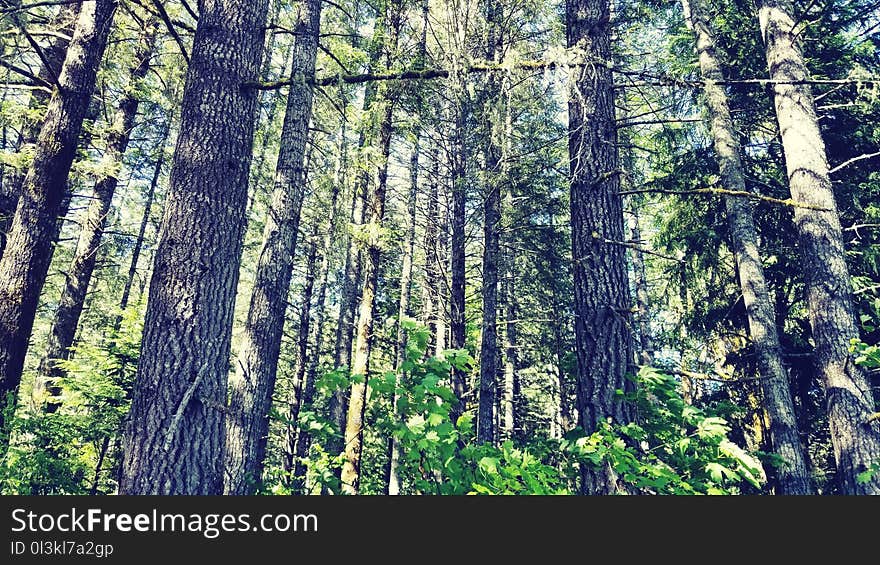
[(457, 324), (79, 274), (491, 243), (433, 252), (375, 216), (601, 290), (174, 441), (250, 399), (793, 476), (54, 52), (25, 262), (855, 431)]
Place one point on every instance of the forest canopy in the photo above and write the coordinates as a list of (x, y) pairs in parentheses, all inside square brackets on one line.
[(450, 247)]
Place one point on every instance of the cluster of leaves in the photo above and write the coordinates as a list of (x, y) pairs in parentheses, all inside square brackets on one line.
[(675, 448)]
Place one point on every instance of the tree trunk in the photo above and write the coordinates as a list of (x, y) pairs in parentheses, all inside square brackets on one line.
[(793, 476), (375, 215), (457, 324), (79, 273), (403, 309), (855, 433), (250, 399), (433, 254), (601, 289), (25, 262), (174, 441), (55, 53), (303, 437), (491, 244), (294, 397), (145, 220)]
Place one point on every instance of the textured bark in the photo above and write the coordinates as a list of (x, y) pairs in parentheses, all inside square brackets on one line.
[(295, 394), (601, 289), (250, 399), (54, 52), (855, 435), (491, 243), (431, 246), (25, 262), (375, 215), (174, 440), (79, 274), (145, 220), (510, 415), (793, 476)]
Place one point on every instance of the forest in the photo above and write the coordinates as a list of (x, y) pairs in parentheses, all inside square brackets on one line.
[(439, 247)]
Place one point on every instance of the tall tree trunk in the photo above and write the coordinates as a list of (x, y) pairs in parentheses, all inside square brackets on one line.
[(375, 215), (250, 399), (303, 437), (792, 476), (457, 324), (431, 245), (353, 274), (145, 220), (491, 243), (294, 397), (601, 289), (403, 309), (174, 441), (855, 434), (79, 273), (25, 262), (54, 53), (511, 374)]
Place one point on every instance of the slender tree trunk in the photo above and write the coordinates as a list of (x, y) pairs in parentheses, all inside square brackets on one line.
[(55, 53), (174, 441), (353, 275), (792, 476), (375, 214), (491, 243), (79, 274), (457, 324), (855, 431), (294, 398), (601, 289), (25, 262), (250, 400), (145, 220), (403, 310), (303, 437), (431, 245), (511, 374)]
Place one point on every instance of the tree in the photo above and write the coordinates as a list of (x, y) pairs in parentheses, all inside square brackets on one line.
[(855, 433), (25, 261), (174, 440), (792, 475), (79, 274), (247, 425), (601, 287)]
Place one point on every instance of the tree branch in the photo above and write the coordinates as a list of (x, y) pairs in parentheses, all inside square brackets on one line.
[(726, 192)]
